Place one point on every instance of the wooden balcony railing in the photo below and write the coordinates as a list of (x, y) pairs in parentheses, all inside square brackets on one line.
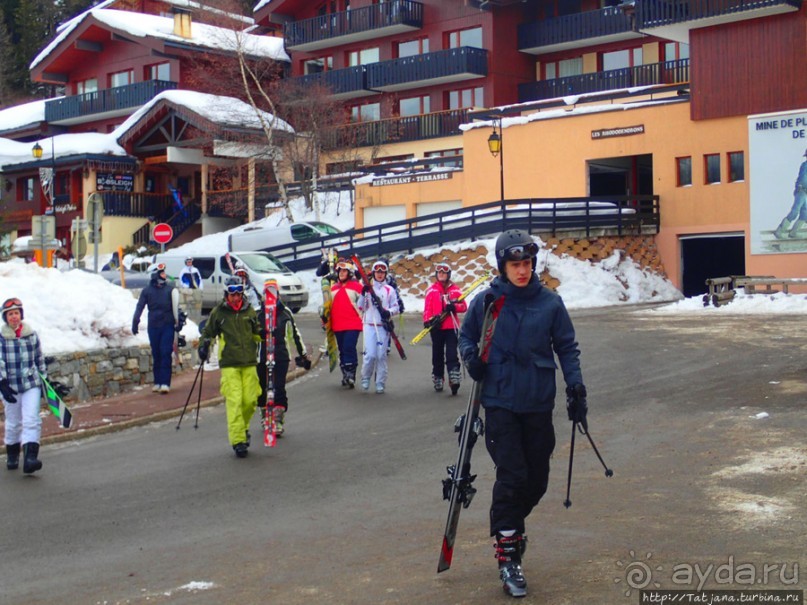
[(590, 25), (657, 13), (109, 99)]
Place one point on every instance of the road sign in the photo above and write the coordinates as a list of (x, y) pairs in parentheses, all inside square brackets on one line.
[(163, 233)]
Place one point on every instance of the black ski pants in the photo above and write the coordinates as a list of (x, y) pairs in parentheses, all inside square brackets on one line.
[(520, 446), (444, 351), (281, 369)]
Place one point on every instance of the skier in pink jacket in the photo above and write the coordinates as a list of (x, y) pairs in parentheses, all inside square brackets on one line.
[(442, 295)]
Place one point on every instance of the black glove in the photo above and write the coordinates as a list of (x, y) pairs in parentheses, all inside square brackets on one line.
[(476, 368), (203, 350), (366, 289), (7, 391), (303, 361), (576, 404), (135, 330), (178, 328), (385, 315), (451, 307), (62, 390), (432, 323)]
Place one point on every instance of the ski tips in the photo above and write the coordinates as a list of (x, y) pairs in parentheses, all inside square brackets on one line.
[(446, 553)]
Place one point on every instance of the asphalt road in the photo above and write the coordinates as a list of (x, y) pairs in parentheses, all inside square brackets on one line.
[(347, 509)]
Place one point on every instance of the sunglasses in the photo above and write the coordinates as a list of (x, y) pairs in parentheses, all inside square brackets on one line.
[(520, 252), (235, 289), (12, 302)]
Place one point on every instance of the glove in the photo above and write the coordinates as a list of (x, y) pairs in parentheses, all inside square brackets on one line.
[(135, 330), (451, 307), (178, 328), (576, 405), (476, 368), (366, 289), (432, 322), (203, 351), (302, 361), (7, 391), (385, 315), (62, 390)]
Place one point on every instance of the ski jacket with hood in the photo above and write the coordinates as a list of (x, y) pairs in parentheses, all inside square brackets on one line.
[(344, 311), (240, 333), (437, 297), (162, 302), (21, 358), (532, 324)]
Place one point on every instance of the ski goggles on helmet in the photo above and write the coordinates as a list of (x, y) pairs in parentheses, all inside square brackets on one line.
[(520, 252), (12, 303), (344, 264), (442, 268), (380, 267), (160, 268), (235, 289)]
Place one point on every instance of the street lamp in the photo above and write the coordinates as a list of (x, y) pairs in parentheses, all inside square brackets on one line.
[(50, 190), (496, 149)]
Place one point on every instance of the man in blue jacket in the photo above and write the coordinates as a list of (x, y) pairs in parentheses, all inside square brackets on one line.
[(162, 301), (518, 392)]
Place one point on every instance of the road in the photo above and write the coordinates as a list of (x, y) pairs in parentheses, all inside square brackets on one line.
[(347, 509)]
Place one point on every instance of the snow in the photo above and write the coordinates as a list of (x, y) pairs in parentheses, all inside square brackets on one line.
[(74, 310), (22, 115)]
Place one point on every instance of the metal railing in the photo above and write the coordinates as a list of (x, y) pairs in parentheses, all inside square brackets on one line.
[(587, 25), (618, 215), (128, 203), (109, 99), (656, 13), (667, 72), (428, 66)]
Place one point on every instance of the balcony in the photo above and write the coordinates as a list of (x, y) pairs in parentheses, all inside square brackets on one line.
[(672, 19), (668, 72), (348, 83), (107, 103), (429, 69), (399, 130), (609, 24), (354, 25)]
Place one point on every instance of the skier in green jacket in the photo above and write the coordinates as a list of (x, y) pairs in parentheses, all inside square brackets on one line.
[(237, 324)]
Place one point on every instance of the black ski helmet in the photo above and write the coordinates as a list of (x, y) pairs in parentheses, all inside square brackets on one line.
[(11, 304), (513, 238)]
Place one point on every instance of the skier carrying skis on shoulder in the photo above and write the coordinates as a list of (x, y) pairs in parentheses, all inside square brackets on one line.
[(237, 323), (518, 391), (376, 337), (345, 319), (442, 296)]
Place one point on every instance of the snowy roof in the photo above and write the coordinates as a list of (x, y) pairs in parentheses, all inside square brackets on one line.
[(226, 111), (63, 145), (151, 26), (19, 116), (260, 5)]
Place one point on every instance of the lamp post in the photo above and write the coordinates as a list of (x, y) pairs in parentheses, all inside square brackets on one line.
[(496, 149), (36, 151)]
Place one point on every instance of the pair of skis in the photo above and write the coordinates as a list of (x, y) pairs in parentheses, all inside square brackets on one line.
[(437, 320), (331, 346), (269, 420), (389, 325), (56, 405)]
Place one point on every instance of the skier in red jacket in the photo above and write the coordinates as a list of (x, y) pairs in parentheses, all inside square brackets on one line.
[(442, 295), (345, 319)]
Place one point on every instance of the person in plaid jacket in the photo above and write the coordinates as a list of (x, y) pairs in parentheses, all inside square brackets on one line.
[(21, 363)]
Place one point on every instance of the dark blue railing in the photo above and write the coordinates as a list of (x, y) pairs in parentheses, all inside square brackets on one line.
[(398, 130), (428, 66), (587, 25), (656, 13), (109, 99)]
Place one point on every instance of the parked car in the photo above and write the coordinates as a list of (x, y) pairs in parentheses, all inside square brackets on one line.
[(215, 269), (260, 238)]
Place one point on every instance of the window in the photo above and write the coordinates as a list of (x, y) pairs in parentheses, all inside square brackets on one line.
[(318, 65), (363, 57), (736, 161), (562, 69), (711, 164), (675, 50), (466, 37), (413, 47), (87, 86), (447, 153), (25, 189), (161, 71), (414, 106), (468, 97), (621, 59), (121, 78), (365, 113), (684, 171)]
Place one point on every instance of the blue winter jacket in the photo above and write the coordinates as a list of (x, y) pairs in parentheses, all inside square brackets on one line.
[(159, 301), (533, 322)]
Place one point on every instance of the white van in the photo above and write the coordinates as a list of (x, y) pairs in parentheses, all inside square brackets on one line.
[(215, 269), (261, 238)]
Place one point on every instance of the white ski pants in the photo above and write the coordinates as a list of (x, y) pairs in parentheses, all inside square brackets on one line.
[(23, 424), (374, 358)]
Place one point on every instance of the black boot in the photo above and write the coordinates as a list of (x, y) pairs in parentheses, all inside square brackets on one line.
[(30, 462), (454, 377), (508, 552), (350, 375), (438, 383), (12, 456)]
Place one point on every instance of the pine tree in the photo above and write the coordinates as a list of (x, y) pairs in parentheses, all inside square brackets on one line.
[(6, 63)]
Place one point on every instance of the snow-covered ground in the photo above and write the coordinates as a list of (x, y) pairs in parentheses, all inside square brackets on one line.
[(75, 310)]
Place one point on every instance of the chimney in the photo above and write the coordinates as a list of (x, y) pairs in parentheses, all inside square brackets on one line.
[(182, 22)]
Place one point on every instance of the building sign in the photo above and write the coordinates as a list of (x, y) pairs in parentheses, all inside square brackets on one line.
[(622, 131), (413, 178), (777, 162), (108, 181), (64, 208)]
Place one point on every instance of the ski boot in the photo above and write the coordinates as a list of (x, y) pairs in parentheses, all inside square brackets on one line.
[(351, 376), (30, 462), (13, 456), (508, 552), (438, 383), (280, 416), (454, 380), (365, 383), (379, 388), (240, 450), (344, 375)]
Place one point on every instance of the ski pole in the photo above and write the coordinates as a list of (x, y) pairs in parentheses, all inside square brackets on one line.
[(190, 393), (199, 399), (567, 502), (608, 471)]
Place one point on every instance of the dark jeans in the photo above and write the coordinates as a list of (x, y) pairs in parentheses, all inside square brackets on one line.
[(444, 351), (347, 341), (161, 340), (520, 446)]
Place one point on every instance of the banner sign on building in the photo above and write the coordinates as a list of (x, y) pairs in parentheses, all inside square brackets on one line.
[(622, 131), (413, 178), (108, 181), (777, 150)]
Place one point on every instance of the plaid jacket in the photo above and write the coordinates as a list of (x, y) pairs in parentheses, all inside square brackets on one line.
[(20, 358)]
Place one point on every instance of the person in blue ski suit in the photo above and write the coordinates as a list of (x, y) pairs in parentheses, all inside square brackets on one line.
[(798, 212), (518, 393)]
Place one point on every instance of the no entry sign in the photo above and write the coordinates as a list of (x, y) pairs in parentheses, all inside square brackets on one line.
[(163, 233)]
